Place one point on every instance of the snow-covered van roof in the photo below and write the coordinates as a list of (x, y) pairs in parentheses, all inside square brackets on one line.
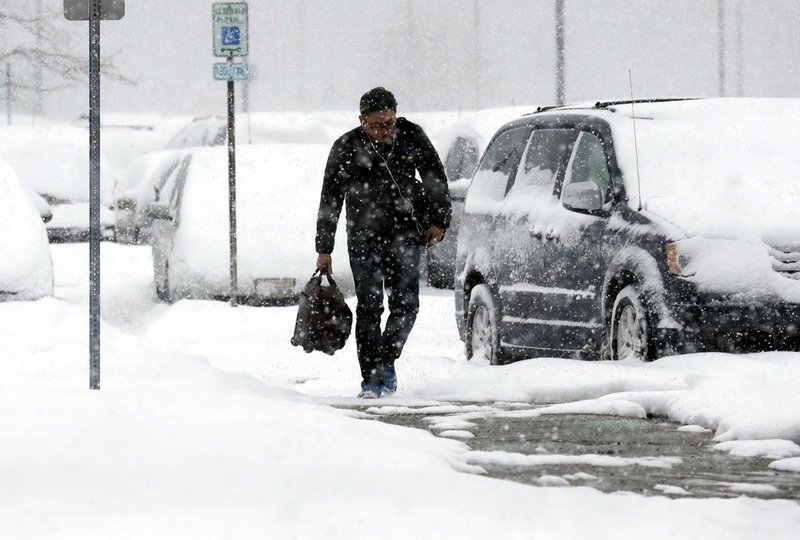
[(719, 167)]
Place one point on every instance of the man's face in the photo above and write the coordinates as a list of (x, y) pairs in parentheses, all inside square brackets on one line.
[(380, 125)]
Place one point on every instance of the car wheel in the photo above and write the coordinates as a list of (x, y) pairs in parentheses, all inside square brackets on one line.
[(162, 289), (438, 275), (483, 329), (630, 335)]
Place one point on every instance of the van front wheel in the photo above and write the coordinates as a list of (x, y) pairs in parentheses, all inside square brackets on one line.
[(483, 329), (631, 333)]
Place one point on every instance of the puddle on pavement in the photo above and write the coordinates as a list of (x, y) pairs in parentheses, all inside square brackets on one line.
[(700, 471)]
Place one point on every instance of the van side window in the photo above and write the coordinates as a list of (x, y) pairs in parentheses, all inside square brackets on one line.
[(588, 164), (497, 169), (546, 155)]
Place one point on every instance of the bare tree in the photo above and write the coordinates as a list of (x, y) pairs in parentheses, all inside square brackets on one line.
[(42, 63)]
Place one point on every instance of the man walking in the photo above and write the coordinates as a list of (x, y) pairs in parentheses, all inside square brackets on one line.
[(390, 216)]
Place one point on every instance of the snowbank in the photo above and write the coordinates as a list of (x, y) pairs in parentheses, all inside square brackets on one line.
[(209, 424), (26, 270)]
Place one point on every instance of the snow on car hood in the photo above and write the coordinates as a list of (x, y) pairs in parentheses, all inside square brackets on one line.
[(755, 219), (722, 178), (718, 168)]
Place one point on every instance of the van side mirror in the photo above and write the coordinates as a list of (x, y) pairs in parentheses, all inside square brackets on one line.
[(583, 197), (158, 211)]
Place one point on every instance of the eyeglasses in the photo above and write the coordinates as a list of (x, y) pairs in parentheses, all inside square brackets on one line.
[(381, 126)]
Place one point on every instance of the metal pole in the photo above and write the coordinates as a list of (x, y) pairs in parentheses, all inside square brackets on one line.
[(246, 103), (9, 90), (560, 90), (739, 52), (301, 56), (721, 25), (476, 51), (232, 184), (38, 69), (94, 195)]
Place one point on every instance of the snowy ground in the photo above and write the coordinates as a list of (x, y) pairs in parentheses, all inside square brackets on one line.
[(210, 424)]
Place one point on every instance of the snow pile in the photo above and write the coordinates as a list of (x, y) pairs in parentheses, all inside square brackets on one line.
[(26, 270), (210, 424), (740, 397)]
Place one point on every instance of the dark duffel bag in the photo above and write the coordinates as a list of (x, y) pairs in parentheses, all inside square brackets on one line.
[(324, 319)]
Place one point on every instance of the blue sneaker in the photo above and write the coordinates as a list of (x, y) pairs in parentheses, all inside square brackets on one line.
[(389, 379), (370, 391)]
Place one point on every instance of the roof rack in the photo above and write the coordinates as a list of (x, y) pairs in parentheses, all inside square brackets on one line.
[(607, 104), (547, 108)]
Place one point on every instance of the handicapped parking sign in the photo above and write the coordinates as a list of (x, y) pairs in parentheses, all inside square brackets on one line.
[(230, 28), (231, 36)]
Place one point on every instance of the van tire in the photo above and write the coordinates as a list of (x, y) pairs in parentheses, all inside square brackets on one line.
[(631, 332), (483, 327)]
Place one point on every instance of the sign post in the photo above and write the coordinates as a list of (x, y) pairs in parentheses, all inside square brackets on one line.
[(231, 39), (94, 11)]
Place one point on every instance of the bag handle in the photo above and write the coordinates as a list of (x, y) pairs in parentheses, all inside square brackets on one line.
[(327, 274)]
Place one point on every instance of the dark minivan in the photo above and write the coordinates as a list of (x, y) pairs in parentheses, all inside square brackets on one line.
[(634, 230)]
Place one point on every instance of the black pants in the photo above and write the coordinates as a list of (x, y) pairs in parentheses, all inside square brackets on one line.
[(377, 265)]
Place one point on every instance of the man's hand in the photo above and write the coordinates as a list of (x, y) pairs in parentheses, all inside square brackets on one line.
[(434, 235), (325, 263)]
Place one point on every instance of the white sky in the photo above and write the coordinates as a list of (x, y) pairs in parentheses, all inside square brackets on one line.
[(321, 55)]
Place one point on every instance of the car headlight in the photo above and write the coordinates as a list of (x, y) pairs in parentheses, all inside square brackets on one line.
[(674, 262)]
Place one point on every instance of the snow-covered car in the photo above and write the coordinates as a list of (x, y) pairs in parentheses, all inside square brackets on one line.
[(140, 185), (293, 127), (277, 194), (265, 128), (53, 160), (590, 231), (201, 131), (460, 143), (26, 268)]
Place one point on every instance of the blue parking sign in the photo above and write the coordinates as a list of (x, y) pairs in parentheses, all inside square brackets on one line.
[(231, 36), (230, 28)]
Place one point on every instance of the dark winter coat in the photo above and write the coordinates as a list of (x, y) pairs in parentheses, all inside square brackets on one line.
[(357, 174)]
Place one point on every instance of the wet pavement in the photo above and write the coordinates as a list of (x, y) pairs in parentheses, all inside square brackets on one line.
[(609, 453)]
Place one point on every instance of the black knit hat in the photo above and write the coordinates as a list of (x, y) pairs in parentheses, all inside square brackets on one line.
[(377, 99)]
